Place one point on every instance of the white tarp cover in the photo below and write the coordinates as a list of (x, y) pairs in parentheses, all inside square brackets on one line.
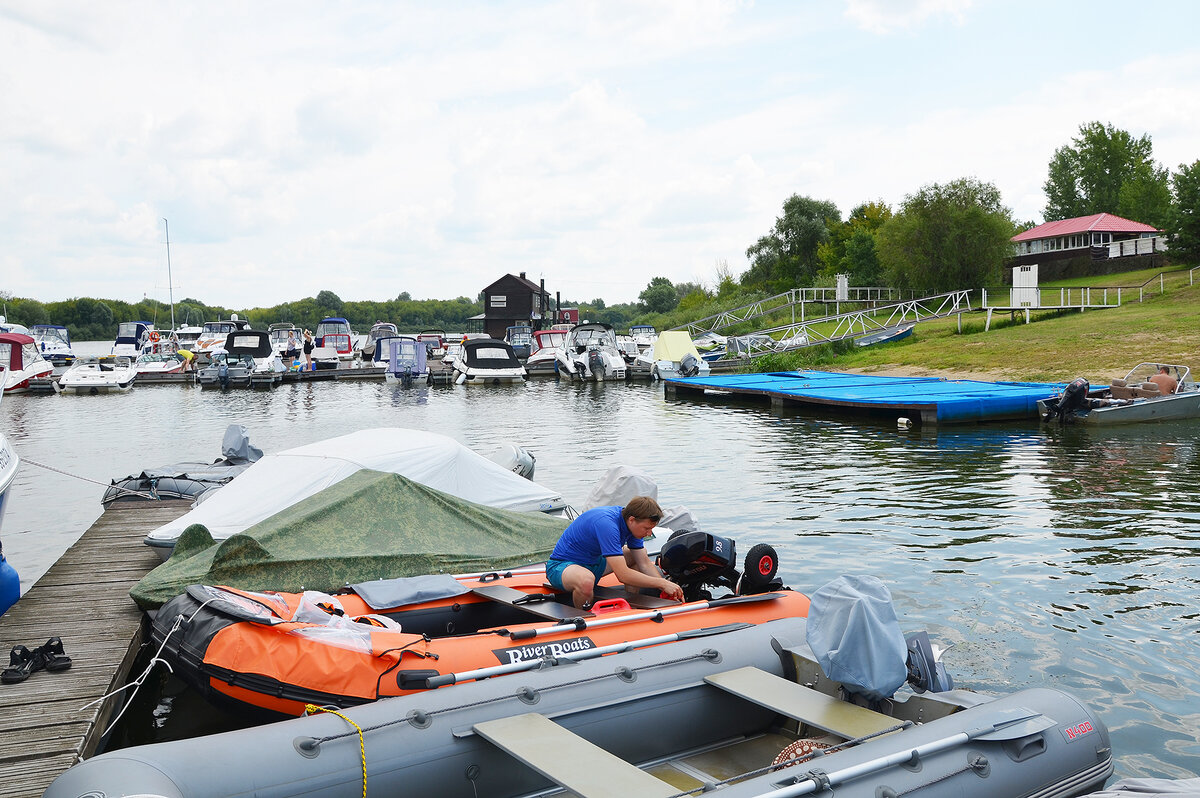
[(1148, 788), (673, 345), (280, 480)]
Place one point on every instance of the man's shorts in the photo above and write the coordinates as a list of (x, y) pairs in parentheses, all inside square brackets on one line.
[(554, 569)]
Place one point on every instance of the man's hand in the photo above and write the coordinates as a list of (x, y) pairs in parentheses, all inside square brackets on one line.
[(671, 590)]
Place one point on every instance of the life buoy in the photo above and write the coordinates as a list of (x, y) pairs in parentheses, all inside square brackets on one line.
[(154, 336)]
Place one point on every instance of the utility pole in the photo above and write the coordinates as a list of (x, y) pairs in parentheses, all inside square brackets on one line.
[(170, 282)]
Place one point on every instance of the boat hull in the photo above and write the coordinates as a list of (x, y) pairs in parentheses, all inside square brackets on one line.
[(657, 708), (1178, 407)]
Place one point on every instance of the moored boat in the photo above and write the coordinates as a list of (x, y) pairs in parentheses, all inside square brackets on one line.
[(380, 330), (520, 338), (487, 361), (54, 342), (737, 710), (1136, 398), (406, 360), (591, 353), (21, 362), (213, 335), (246, 360), (94, 375), (544, 352), (674, 355), (131, 335), (10, 582), (334, 336)]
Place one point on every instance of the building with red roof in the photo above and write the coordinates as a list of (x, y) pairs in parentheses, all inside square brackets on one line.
[(1086, 235)]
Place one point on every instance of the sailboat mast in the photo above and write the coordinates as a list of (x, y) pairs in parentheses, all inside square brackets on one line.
[(170, 282)]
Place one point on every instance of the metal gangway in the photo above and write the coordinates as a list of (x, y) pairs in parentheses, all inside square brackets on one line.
[(790, 300)]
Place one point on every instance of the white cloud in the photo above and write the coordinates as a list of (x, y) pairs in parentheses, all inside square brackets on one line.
[(888, 16)]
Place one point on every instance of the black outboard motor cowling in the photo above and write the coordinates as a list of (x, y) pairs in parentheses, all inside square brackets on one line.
[(596, 363), (696, 560), (1074, 399)]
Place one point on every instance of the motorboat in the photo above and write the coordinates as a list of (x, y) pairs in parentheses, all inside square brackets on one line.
[(1135, 398), (488, 361), (284, 479), (711, 345), (246, 360), (54, 342), (213, 335), (22, 362), (158, 342), (93, 375), (644, 336), (435, 342), (453, 350), (590, 353), (885, 336), (155, 365), (544, 351), (131, 335), (10, 462), (7, 326), (333, 334), (406, 363), (520, 338), (674, 355), (187, 335), (734, 710), (287, 339), (187, 481), (379, 330), (389, 637)]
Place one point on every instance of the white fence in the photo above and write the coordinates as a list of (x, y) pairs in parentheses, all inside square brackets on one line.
[(1137, 246)]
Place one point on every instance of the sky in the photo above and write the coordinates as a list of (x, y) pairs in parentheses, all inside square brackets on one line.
[(374, 148)]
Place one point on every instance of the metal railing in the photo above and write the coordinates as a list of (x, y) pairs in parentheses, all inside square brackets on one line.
[(790, 300)]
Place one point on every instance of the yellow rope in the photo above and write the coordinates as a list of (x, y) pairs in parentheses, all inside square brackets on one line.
[(362, 749)]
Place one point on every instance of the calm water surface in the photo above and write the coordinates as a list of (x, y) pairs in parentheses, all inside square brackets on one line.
[(1065, 558)]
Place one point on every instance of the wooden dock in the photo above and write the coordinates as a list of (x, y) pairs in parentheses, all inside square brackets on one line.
[(83, 599)]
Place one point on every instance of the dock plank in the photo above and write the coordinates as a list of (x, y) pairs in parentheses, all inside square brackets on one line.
[(84, 600)]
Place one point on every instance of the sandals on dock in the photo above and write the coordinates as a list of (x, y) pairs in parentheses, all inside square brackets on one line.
[(23, 663)]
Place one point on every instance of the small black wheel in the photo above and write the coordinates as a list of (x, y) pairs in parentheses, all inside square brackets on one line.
[(761, 564)]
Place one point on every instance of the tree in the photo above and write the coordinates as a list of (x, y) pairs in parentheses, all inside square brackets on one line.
[(947, 237), (1107, 170), (659, 295), (1185, 217), (787, 256), (851, 246), (330, 302)]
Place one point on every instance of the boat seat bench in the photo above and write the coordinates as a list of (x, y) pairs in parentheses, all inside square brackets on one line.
[(550, 609), (802, 703), (569, 760)]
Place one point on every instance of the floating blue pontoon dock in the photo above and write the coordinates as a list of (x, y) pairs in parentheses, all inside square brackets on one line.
[(927, 400)]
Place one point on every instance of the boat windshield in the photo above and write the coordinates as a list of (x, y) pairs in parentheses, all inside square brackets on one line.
[(218, 328), (332, 328), (49, 335), (549, 339), (128, 329)]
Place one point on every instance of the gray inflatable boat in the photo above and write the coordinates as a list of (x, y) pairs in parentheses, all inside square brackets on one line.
[(710, 712)]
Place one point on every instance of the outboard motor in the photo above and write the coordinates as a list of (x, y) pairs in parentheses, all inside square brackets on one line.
[(697, 560), (223, 375), (689, 366), (855, 636), (596, 363), (1073, 399)]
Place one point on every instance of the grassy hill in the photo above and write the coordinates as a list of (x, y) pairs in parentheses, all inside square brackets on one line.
[(1096, 344)]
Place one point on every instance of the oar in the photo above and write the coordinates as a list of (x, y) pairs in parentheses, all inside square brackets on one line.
[(1009, 724), (579, 624), (576, 656)]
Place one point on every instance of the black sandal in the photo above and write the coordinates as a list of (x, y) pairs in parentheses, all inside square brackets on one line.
[(53, 656), (22, 663)]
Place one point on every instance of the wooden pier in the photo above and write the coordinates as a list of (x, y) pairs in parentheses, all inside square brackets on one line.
[(83, 599)]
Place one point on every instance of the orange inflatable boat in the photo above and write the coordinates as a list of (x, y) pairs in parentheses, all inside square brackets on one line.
[(282, 651)]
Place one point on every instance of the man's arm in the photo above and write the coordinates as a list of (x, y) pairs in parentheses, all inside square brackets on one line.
[(643, 575)]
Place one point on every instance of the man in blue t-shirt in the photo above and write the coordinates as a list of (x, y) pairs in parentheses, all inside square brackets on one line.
[(608, 540)]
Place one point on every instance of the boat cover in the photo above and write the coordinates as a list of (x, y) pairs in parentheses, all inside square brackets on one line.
[(282, 479), (621, 483), (856, 637), (673, 345), (1149, 788), (370, 525)]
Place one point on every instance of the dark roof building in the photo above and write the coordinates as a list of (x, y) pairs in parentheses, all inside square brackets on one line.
[(510, 301)]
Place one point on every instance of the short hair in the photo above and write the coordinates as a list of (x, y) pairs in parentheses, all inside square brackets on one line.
[(642, 507)]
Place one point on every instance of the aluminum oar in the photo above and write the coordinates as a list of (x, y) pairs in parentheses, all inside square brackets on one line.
[(580, 624), (577, 656)]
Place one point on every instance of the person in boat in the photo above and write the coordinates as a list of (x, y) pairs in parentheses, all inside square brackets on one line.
[(293, 348), (188, 359), (607, 540), (1165, 382)]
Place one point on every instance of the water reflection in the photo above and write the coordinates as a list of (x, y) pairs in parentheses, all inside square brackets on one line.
[(1064, 556)]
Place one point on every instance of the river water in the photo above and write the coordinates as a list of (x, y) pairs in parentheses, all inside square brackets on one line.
[(1064, 558)]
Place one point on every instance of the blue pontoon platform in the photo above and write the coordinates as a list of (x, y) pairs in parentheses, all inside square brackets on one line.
[(927, 400)]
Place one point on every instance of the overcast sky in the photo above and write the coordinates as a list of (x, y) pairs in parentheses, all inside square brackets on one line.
[(371, 148)]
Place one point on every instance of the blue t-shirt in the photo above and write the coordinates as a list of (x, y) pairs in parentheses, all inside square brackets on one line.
[(599, 532)]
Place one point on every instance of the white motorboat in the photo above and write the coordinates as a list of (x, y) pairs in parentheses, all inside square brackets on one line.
[(435, 342), (131, 335), (213, 334), (405, 358), (280, 480), (187, 335), (675, 355), (1137, 397), (22, 362), (591, 353), (487, 361), (544, 352), (10, 582), (54, 342), (334, 335), (155, 364), (378, 331), (246, 360), (644, 336), (93, 375)]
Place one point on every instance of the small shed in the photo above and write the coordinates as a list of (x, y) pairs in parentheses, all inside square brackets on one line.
[(512, 300)]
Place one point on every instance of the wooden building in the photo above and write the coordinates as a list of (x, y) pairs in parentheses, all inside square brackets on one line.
[(510, 301), (1101, 235)]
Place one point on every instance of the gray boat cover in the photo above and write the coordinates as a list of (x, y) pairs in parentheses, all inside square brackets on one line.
[(1148, 788), (621, 483), (236, 446), (387, 594), (370, 525), (855, 635)]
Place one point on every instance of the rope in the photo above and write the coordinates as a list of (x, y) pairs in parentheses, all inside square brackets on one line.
[(150, 496), (362, 749)]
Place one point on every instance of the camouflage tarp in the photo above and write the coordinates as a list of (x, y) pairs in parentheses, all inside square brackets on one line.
[(371, 525)]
